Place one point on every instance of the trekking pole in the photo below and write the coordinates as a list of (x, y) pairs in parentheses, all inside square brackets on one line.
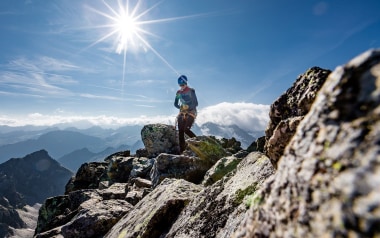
[(175, 133)]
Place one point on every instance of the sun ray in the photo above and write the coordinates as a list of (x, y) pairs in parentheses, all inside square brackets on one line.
[(125, 27)]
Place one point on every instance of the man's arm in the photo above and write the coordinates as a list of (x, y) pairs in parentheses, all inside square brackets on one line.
[(176, 100)]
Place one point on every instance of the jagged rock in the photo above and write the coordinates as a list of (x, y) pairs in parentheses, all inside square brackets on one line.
[(88, 176), (185, 167), (142, 183), (125, 153), (122, 169), (142, 153), (136, 195), (207, 148), (59, 210), (54, 233), (257, 145), (218, 209), (140, 188), (5, 230), (9, 216), (119, 168), (53, 213), (288, 110), (231, 145), (95, 218), (220, 169), (104, 184), (327, 183), (83, 213), (280, 138), (115, 191), (154, 215), (159, 138), (141, 167)]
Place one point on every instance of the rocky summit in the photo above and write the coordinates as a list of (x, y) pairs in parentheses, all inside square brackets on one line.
[(314, 174)]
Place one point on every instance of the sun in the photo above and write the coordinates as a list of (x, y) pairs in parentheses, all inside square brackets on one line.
[(127, 28), (121, 23)]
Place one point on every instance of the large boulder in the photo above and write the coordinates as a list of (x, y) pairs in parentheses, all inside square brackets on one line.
[(222, 167), (154, 215), (207, 148), (159, 138), (289, 109), (95, 218), (202, 153), (83, 213), (190, 168), (327, 183), (218, 209)]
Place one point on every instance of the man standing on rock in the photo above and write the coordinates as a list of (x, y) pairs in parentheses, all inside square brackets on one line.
[(186, 101)]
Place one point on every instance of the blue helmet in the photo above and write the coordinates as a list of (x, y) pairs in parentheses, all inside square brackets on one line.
[(182, 80)]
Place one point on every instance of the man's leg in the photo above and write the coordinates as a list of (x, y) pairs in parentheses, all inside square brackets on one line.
[(181, 133), (188, 125)]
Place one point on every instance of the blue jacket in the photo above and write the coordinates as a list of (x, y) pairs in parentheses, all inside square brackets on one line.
[(186, 98)]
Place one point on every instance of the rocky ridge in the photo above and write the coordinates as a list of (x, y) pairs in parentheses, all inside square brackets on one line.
[(314, 174)]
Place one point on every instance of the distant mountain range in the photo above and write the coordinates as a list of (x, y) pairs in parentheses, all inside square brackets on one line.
[(25, 183), (72, 146)]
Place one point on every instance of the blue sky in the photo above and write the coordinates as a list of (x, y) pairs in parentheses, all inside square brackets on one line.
[(62, 60)]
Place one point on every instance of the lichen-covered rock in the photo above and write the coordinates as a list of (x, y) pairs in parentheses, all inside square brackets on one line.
[(185, 167), (327, 183), (220, 169), (95, 218), (50, 212), (294, 103), (218, 209), (154, 215), (159, 138), (207, 148)]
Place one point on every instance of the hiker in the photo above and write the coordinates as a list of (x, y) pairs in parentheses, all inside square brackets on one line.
[(186, 101)]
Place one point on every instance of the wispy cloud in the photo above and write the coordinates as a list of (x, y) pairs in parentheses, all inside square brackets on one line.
[(15, 94), (41, 64), (102, 97), (41, 76)]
